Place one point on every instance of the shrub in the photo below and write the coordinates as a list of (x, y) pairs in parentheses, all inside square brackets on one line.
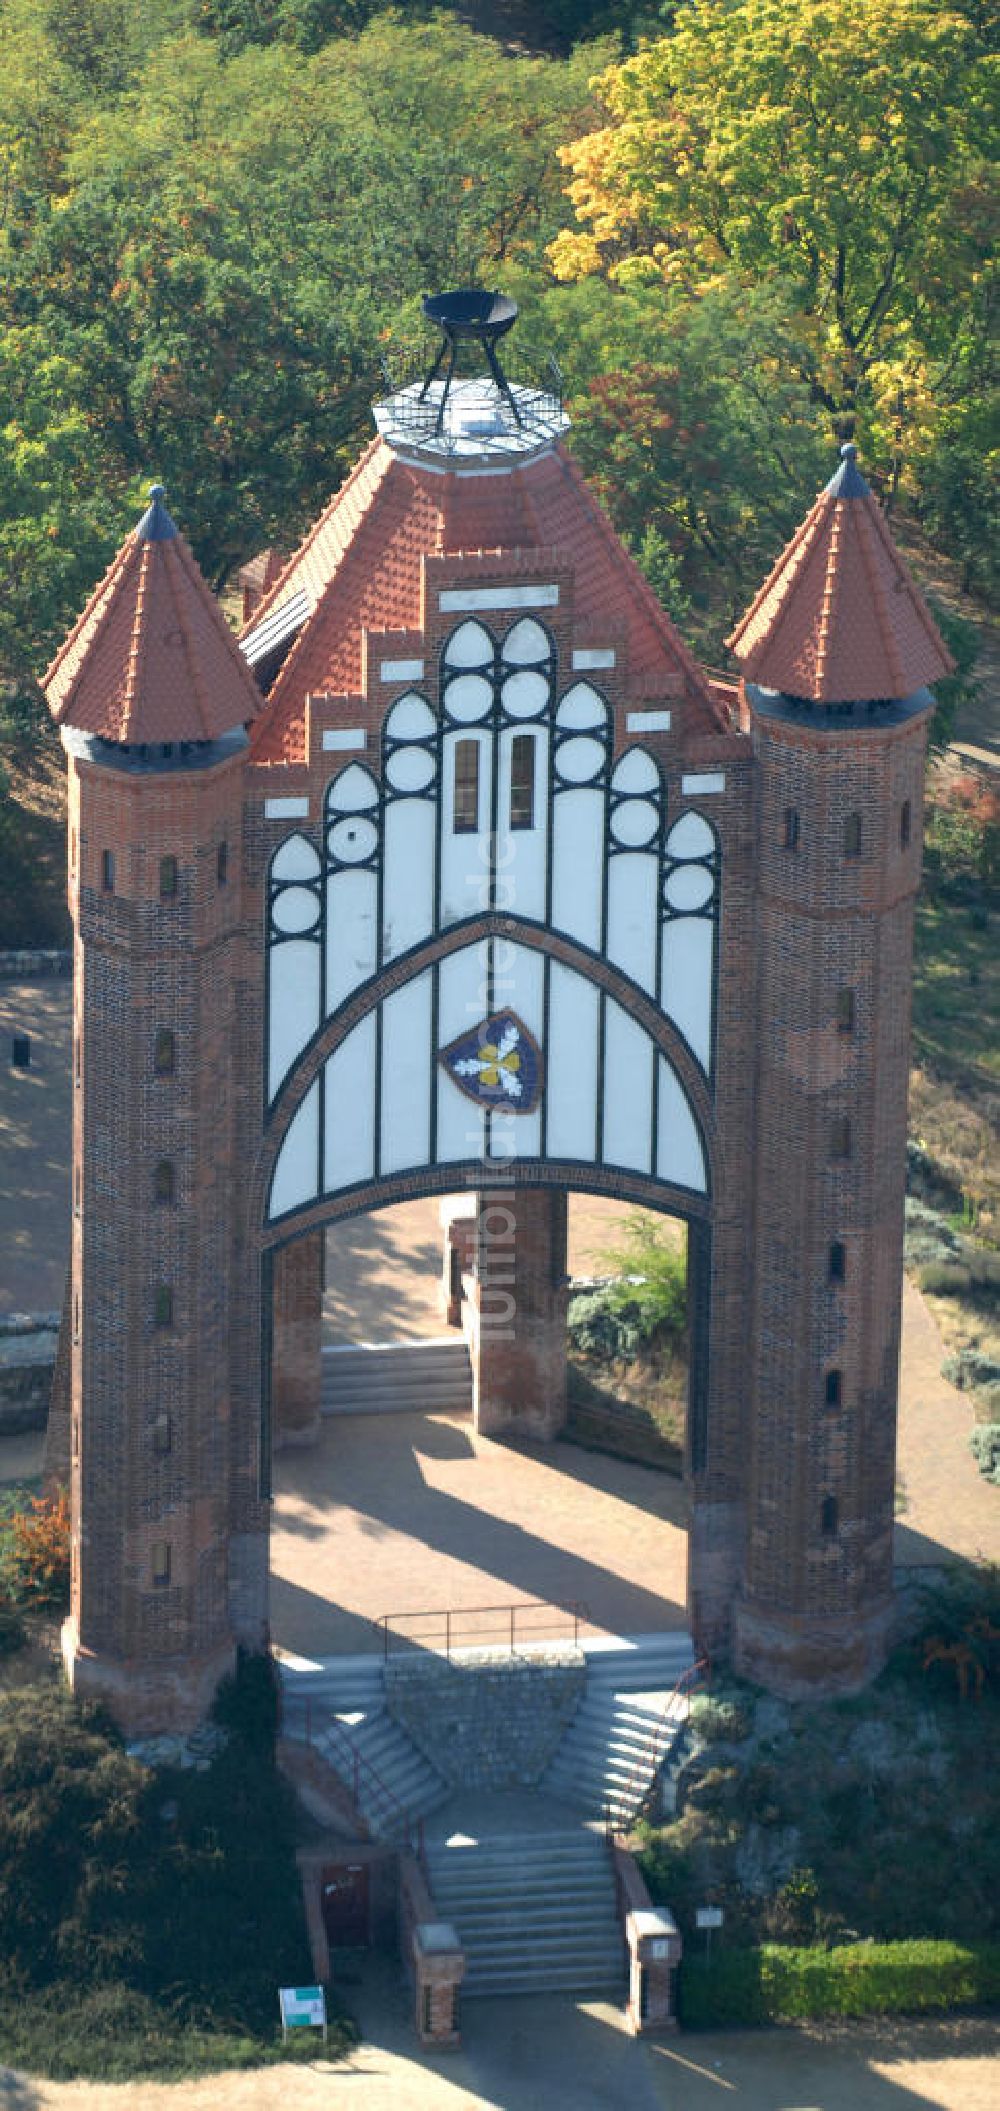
[(718, 1721), (600, 1324), (985, 1443), (773, 1984), (969, 1369), (945, 1278), (929, 1235), (40, 1550), (248, 1703), (13, 1633)]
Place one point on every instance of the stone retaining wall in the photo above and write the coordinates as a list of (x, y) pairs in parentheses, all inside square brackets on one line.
[(622, 1429), (487, 1723), (28, 1343), (24, 964)]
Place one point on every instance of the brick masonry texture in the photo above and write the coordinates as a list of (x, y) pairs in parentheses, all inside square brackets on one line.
[(191, 1335)]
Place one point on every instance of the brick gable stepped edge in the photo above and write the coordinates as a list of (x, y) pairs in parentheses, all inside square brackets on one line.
[(620, 1736), (346, 1701), (402, 1378), (535, 1912)]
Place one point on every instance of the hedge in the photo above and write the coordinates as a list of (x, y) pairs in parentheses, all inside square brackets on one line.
[(775, 1985)]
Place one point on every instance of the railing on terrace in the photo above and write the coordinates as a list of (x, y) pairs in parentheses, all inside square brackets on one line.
[(372, 1797), (695, 1676), (482, 1627)]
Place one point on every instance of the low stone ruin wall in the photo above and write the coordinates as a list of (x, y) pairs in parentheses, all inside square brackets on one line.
[(486, 1722), (27, 1357)]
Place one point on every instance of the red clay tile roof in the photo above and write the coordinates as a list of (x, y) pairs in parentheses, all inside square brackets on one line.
[(152, 657), (840, 620), (360, 566), (262, 570)]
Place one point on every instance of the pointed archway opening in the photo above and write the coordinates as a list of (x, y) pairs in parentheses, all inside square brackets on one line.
[(414, 1493)]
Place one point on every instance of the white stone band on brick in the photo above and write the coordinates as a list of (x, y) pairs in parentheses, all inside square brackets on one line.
[(589, 657), (704, 782), (338, 740), (453, 599), (648, 722), (401, 670), (286, 809)]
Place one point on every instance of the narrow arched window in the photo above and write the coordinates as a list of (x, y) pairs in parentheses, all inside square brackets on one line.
[(838, 1262), (905, 824), (164, 1052), (790, 832), (107, 871), (168, 879), (834, 1388), (163, 1181), (840, 1137), (845, 1011), (465, 819), (852, 836), (522, 781), (828, 1517)]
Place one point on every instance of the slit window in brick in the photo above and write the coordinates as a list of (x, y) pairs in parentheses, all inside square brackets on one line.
[(163, 1306), (168, 879), (790, 828), (160, 1563), (522, 781), (164, 1052), (162, 1435), (845, 1011), (829, 1517), (222, 865), (466, 812), (834, 1389), (838, 1262), (905, 824), (164, 1181), (840, 1137), (107, 871), (852, 836)]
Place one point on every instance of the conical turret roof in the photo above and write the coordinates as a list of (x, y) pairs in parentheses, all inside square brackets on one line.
[(840, 620), (152, 658)]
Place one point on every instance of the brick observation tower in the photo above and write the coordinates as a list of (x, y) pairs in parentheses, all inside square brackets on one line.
[(458, 874)]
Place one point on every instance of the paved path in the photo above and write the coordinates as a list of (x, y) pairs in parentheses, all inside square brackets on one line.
[(556, 2054), (401, 1513), (35, 1122), (948, 1508)]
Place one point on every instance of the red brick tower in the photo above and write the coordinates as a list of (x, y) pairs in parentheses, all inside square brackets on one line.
[(152, 697), (836, 649)]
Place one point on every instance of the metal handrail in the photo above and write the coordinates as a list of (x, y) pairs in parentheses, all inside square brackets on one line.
[(384, 1801), (696, 1674), (390, 1624), (403, 366)]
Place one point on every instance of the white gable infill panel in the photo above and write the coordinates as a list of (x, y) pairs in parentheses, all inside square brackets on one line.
[(454, 599)]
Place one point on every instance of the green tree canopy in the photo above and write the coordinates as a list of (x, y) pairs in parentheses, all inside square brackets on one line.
[(843, 150)]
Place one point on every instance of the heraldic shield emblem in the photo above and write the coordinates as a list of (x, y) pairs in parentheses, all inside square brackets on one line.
[(498, 1064)]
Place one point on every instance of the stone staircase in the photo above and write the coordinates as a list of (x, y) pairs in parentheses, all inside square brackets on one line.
[(398, 1378), (624, 1729), (535, 1911), (338, 1707)]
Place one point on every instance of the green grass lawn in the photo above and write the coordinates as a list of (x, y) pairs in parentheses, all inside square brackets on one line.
[(956, 988)]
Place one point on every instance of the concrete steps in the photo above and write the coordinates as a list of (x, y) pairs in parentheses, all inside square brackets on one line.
[(339, 1708), (536, 1912), (624, 1729), (401, 1378)]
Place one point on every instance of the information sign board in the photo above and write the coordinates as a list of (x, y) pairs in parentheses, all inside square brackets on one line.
[(302, 2007)]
